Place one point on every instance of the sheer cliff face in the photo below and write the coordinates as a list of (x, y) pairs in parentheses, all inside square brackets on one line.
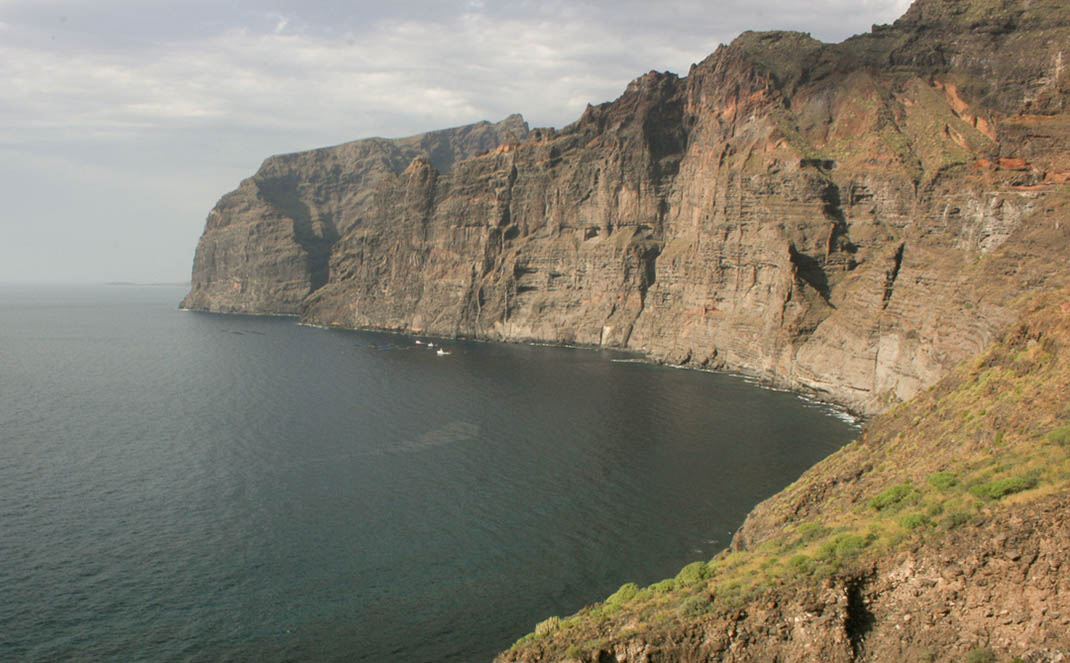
[(823, 216), (266, 245)]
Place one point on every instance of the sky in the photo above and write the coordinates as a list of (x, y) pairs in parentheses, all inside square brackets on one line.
[(122, 122)]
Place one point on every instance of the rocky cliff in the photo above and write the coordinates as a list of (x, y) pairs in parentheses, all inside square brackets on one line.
[(266, 245), (803, 212)]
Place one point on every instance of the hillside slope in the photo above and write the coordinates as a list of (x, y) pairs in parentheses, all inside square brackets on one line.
[(939, 535)]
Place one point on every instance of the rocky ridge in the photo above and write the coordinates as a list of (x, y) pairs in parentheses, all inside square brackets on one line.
[(802, 212)]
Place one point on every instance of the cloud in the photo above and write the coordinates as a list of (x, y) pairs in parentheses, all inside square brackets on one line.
[(98, 94), (389, 75)]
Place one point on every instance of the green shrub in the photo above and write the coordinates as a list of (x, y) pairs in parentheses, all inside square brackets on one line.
[(693, 606), (692, 574), (841, 546), (914, 520), (811, 531), (980, 655), (1060, 436), (626, 593), (769, 563), (894, 497), (943, 481), (955, 519), (663, 586), (802, 564), (994, 490)]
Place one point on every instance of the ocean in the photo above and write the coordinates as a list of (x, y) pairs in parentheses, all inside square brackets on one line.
[(200, 487)]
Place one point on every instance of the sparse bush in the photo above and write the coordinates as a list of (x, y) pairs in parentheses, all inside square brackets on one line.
[(943, 481), (956, 519), (802, 564), (980, 655), (1060, 436), (693, 606), (894, 497), (841, 547), (914, 520), (811, 531), (769, 563), (994, 490)]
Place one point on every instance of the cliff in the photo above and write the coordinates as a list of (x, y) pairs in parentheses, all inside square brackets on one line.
[(266, 245), (811, 214)]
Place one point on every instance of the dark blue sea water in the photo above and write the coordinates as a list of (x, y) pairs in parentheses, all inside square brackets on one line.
[(187, 486)]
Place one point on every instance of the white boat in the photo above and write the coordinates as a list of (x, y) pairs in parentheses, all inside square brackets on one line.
[(442, 353)]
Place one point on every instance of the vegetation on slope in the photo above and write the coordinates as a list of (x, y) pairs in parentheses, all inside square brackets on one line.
[(992, 435)]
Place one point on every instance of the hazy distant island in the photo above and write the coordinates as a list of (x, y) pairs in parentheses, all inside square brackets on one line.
[(882, 223)]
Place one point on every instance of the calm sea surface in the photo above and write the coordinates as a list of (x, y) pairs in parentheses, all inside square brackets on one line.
[(188, 486)]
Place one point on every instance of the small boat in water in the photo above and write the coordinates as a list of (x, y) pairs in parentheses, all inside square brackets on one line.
[(442, 353)]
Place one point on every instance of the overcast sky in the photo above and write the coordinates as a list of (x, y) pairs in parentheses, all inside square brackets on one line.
[(123, 121)]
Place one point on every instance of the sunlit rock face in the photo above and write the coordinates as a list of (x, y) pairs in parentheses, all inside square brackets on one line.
[(849, 219)]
